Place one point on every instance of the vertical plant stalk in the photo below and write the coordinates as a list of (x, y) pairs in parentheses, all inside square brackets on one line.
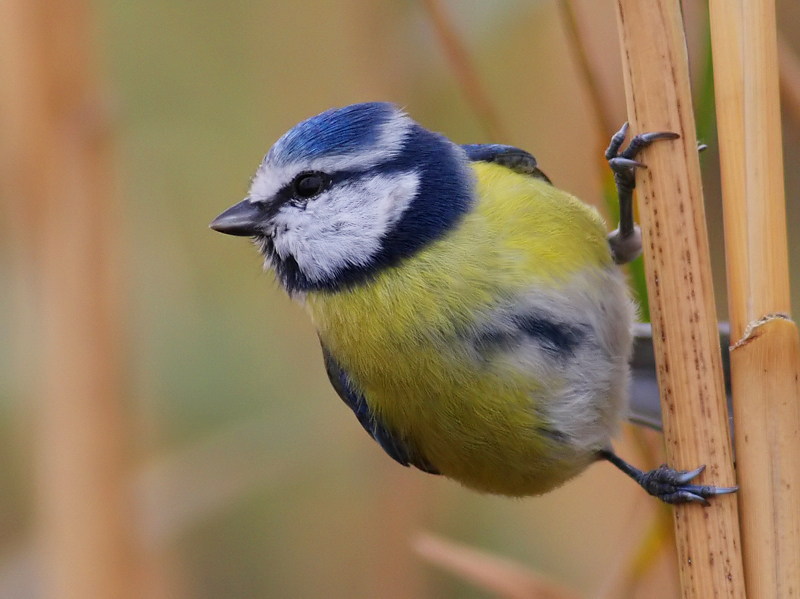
[(689, 364), (58, 184), (765, 353), (569, 21), (464, 69)]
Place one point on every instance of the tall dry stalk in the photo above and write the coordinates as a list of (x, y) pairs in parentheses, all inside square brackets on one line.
[(655, 67), (57, 187), (464, 70), (765, 354)]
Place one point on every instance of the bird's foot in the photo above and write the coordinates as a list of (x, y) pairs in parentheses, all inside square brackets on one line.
[(672, 486), (668, 484), (626, 240), (624, 163)]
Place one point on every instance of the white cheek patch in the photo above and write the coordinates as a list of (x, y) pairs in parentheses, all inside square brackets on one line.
[(344, 226), (271, 178)]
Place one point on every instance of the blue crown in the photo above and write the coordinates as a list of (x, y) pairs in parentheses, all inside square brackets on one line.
[(334, 132)]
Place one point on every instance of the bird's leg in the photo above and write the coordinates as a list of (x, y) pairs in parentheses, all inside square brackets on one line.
[(626, 240), (668, 484)]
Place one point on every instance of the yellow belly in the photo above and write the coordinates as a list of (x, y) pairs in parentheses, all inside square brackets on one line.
[(400, 337)]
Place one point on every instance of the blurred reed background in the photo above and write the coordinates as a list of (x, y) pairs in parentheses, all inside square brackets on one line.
[(166, 426)]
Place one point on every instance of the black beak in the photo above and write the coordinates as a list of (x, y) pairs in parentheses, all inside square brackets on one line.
[(245, 219)]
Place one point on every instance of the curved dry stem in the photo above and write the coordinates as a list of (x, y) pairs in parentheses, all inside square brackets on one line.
[(586, 73), (500, 576), (464, 70)]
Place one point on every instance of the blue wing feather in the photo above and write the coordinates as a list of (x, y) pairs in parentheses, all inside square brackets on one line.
[(513, 158), (391, 444)]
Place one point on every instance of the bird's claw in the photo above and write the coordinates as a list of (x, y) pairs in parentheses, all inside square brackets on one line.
[(671, 486), (623, 163), (619, 163), (626, 241)]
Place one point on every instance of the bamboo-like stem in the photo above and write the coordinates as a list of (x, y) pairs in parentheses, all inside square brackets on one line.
[(57, 179), (769, 258), (764, 373), (656, 72), (726, 43), (765, 353)]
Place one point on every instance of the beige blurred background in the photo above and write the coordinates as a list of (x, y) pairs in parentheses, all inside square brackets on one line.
[(166, 426)]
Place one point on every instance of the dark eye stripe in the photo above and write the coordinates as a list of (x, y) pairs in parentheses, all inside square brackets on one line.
[(287, 192)]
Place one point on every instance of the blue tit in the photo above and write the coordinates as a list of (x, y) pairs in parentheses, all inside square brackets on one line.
[(471, 314)]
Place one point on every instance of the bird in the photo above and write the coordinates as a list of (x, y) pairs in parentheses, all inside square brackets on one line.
[(472, 315)]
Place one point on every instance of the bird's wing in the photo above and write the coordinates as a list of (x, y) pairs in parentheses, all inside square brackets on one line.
[(510, 157), (391, 444)]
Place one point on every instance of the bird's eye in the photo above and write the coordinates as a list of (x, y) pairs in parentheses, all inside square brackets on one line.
[(308, 185)]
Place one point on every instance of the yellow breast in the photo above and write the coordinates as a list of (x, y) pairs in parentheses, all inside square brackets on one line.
[(398, 337)]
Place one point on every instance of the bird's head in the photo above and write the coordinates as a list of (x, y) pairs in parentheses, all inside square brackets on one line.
[(348, 193)]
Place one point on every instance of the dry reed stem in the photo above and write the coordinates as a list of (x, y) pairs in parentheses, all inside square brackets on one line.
[(766, 411), (598, 107), (465, 71), (765, 352), (57, 183), (768, 253), (726, 43), (655, 68), (500, 576), (572, 30)]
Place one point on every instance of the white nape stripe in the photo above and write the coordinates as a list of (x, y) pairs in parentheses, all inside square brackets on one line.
[(344, 226), (271, 178)]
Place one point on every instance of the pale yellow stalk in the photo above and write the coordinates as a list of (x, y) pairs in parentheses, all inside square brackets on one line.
[(765, 353), (672, 217), (57, 181)]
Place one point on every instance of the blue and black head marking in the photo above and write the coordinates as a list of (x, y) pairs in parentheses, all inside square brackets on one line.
[(335, 132), (444, 192), (381, 188)]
